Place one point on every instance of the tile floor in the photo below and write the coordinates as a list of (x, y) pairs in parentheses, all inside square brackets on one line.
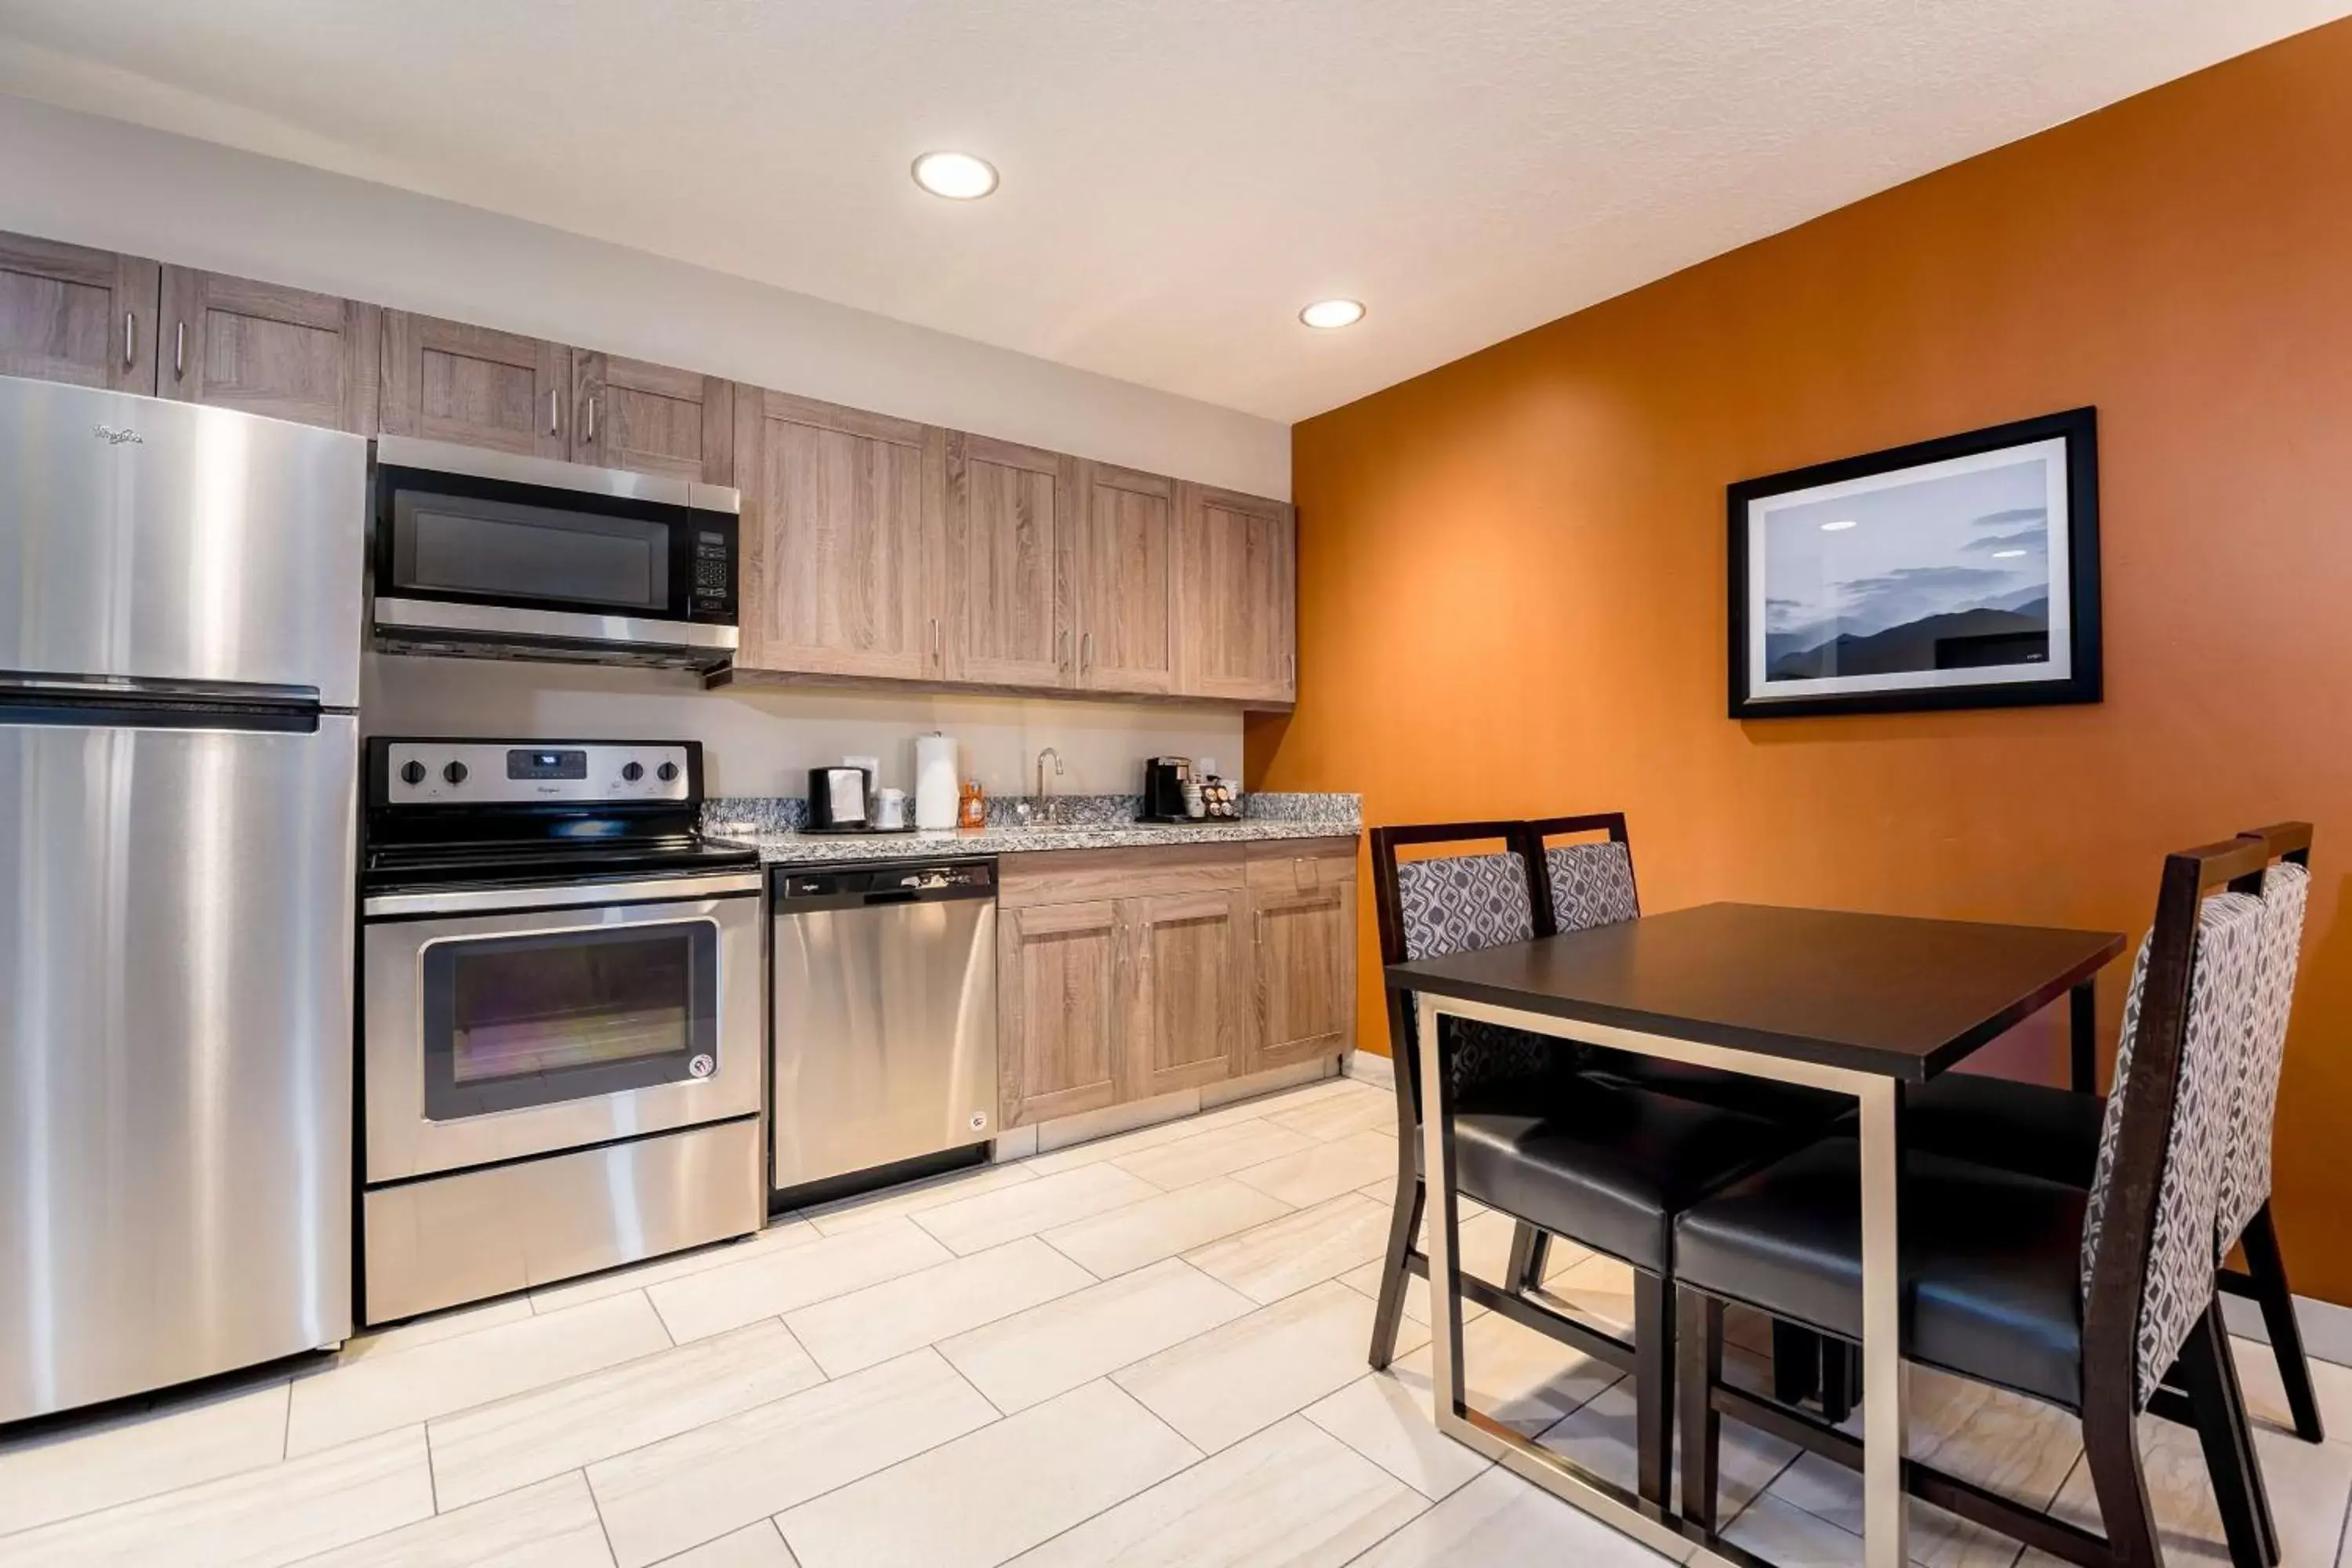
[(1147, 1349)]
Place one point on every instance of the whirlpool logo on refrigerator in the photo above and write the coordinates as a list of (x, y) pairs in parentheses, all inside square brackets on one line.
[(114, 438)]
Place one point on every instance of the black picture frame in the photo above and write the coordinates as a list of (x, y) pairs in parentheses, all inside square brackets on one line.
[(2083, 680)]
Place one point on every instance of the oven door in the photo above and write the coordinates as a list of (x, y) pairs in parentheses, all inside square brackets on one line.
[(496, 549), (495, 1035)]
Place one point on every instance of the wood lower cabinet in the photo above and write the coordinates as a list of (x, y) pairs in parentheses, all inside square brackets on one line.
[(1237, 595), (1063, 999), (1127, 582), (72, 314), (1012, 546), (446, 381), (842, 523), (1133, 973), (627, 413), (263, 348), (1186, 1027)]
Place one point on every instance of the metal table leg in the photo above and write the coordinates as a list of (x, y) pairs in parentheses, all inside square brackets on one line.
[(1885, 1385)]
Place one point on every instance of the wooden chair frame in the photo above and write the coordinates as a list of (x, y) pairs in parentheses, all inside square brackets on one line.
[(2109, 1406)]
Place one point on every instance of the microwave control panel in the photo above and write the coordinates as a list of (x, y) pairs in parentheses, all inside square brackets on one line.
[(714, 572)]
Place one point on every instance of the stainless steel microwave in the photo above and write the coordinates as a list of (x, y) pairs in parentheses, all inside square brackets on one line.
[(491, 553)]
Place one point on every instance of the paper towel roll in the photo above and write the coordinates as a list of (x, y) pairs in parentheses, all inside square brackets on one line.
[(935, 781)]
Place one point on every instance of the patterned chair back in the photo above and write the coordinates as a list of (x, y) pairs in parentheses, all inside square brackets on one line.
[(2246, 1161), (1454, 903), (2176, 1286), (1591, 885)]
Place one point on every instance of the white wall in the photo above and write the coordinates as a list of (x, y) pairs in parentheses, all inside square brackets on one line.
[(93, 181), (759, 742)]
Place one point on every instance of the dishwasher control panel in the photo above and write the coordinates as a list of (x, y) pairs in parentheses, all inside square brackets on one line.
[(894, 883)]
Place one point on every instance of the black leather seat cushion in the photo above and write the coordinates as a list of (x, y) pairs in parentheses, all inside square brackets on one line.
[(1991, 1260), (1800, 1106), (1603, 1163), (2029, 1127)]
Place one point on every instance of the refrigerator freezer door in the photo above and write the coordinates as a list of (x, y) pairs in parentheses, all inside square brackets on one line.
[(175, 1054), (165, 541)]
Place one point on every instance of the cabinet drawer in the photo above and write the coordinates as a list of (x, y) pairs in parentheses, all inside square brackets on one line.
[(1060, 875), (1300, 864)]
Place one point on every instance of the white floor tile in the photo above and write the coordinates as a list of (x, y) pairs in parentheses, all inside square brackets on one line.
[(701, 1485), (2258, 1375), (1600, 1436), (1291, 1496), (378, 1393), (784, 1233), (497, 1448), (550, 1525), (1514, 1374), (1030, 1357), (256, 1518), (773, 1282), (1325, 1171), (75, 1470), (753, 1546), (1500, 1519), (1789, 1537), (435, 1326), (1366, 1281), (975, 1225), (1163, 1225), (978, 1500), (1389, 1421), (896, 1202), (1223, 1385), (1244, 1143), (1339, 1115), (1110, 1146), (1284, 1256), (867, 1327)]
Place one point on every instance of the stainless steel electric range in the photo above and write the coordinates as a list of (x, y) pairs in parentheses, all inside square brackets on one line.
[(560, 1018)]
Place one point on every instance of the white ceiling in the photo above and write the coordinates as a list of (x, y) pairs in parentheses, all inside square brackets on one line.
[(1179, 176)]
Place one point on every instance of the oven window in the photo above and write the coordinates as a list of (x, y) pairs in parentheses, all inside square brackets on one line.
[(505, 550), (519, 1021)]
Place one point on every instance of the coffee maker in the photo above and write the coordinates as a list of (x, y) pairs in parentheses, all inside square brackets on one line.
[(1164, 779)]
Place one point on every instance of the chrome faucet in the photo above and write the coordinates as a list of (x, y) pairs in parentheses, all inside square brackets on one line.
[(1049, 810)]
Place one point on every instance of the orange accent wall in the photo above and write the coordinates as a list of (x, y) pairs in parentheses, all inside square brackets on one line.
[(1511, 586)]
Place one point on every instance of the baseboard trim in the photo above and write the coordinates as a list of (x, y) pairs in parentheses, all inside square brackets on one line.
[(2327, 1327), (1377, 1071)]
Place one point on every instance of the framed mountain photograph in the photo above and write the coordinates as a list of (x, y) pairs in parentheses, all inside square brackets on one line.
[(1961, 572)]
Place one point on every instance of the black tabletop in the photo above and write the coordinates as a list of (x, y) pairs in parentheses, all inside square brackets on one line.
[(1879, 993)]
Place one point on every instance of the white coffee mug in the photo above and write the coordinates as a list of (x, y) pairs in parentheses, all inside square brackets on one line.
[(889, 808)]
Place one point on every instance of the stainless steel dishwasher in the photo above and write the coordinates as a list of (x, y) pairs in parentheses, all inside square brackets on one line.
[(885, 1005)]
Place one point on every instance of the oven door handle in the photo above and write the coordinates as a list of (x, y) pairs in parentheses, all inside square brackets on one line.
[(577, 895)]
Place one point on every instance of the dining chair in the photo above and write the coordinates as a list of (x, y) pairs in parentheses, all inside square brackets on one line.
[(1605, 1163), (1586, 882), (2055, 1133), (2079, 1296)]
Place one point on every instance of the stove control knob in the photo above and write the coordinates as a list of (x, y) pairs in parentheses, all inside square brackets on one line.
[(633, 772), (455, 772), (412, 773), (668, 773)]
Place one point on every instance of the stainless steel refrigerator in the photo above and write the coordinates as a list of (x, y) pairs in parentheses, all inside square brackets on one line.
[(180, 602)]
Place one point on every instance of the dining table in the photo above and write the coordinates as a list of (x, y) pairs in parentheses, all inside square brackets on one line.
[(1863, 1004)]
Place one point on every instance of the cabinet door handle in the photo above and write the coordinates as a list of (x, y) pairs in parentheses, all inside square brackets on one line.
[(1290, 671), (588, 426), (935, 636), (554, 415), (130, 339), (1085, 652), (1062, 649), (179, 351)]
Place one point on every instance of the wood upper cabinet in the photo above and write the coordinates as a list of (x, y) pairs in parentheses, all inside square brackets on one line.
[(842, 517), (1012, 547), (446, 381), (1127, 582), (1191, 958), (264, 348), (1302, 913), (1237, 595), (1064, 1002), (652, 419), (72, 314)]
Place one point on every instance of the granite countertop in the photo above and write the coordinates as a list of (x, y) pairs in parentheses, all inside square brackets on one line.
[(1092, 822)]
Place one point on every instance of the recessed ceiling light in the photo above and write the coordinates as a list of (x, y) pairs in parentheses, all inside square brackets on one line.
[(1838, 527), (1329, 315), (958, 176), (2007, 554)]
